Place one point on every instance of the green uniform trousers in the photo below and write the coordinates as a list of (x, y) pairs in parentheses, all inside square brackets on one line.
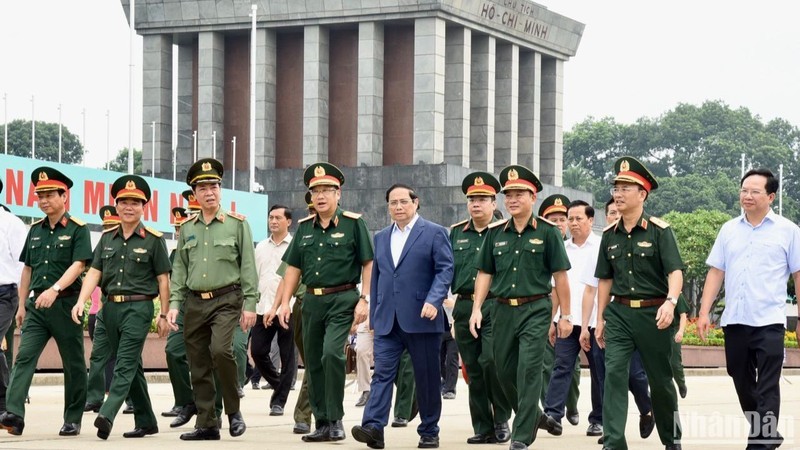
[(326, 325), (628, 329), (10, 344), (178, 364), (208, 331), (520, 337), (487, 403), (240, 353), (98, 361), (404, 402), (574, 386), (39, 326), (127, 325), (676, 361), (302, 409)]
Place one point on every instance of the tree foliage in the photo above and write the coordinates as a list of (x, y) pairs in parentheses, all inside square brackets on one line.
[(19, 142), (120, 163)]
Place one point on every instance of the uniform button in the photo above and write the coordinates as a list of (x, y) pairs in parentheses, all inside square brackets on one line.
[(533, 251), (612, 256), (478, 249), (124, 243), (629, 236), (642, 254), (120, 270), (204, 275), (123, 256), (633, 289), (44, 278), (499, 253), (118, 283), (206, 228), (480, 234), (473, 278), (515, 269), (460, 248), (204, 260), (320, 244), (629, 254), (48, 246), (516, 251), (205, 243), (137, 260), (630, 271), (513, 285), (319, 259), (316, 273), (45, 261)]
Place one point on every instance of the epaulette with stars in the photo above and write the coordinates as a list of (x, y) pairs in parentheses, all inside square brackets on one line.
[(38, 221), (351, 214), (114, 228), (660, 223), (77, 221), (154, 232), (306, 219), (547, 221), (498, 223), (459, 223), (610, 226), (237, 216)]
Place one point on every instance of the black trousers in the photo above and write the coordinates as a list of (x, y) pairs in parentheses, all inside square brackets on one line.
[(9, 300), (260, 343), (754, 356), (448, 363)]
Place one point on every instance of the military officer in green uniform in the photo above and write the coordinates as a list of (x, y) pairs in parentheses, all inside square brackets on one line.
[(192, 205), (131, 266), (488, 406), (640, 266), (516, 262), (55, 254), (215, 275), (331, 250)]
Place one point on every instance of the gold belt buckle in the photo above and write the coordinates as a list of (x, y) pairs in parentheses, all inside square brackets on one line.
[(206, 295), (318, 291), (117, 298), (513, 301), (636, 304)]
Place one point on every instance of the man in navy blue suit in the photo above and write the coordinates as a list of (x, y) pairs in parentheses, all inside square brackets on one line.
[(411, 274)]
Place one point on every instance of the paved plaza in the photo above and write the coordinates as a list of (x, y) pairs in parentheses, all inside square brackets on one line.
[(710, 415)]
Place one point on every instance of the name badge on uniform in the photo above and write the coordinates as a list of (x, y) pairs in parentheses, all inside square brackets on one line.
[(190, 237), (613, 247), (140, 250), (337, 235), (64, 238), (645, 244), (308, 236), (462, 241), (500, 244), (108, 249), (536, 241), (35, 238)]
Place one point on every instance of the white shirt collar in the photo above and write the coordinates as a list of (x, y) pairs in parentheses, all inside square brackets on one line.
[(409, 227), (286, 239)]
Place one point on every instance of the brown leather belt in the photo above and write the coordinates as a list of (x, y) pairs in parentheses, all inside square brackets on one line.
[(129, 298), (331, 290), (520, 300), (208, 295), (640, 303)]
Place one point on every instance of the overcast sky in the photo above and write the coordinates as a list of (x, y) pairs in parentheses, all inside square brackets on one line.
[(636, 58)]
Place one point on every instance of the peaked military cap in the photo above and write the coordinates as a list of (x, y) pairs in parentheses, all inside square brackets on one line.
[(556, 203), (48, 179), (109, 216), (519, 177), (631, 170), (131, 186), (323, 174), (480, 183), (193, 204), (179, 215), (206, 170)]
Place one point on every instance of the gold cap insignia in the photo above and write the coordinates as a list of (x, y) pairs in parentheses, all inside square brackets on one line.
[(191, 198), (513, 175), (624, 166), (558, 202), (130, 185), (319, 171), (206, 167), (177, 214), (42, 176), (107, 213), (478, 181)]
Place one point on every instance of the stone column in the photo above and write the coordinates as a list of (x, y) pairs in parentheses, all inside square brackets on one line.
[(481, 148), (457, 96), (186, 108), (429, 64), (551, 125), (315, 92), (506, 106), (530, 99), (210, 93), (266, 77), (157, 104), (370, 94)]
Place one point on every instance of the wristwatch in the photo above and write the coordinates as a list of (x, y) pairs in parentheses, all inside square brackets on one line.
[(566, 317), (56, 288), (364, 297), (673, 300)]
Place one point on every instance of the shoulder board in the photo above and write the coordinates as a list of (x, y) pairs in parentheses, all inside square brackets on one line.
[(546, 221), (154, 232), (351, 214), (498, 223), (660, 223), (610, 226), (459, 223), (38, 221), (111, 229), (307, 218), (77, 221), (236, 216)]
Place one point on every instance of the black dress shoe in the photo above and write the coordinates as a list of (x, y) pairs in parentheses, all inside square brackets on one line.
[(240, 392), (172, 412), (301, 428), (140, 432), (128, 409), (428, 442), (103, 427), (202, 434), (550, 424), (399, 422), (70, 429), (362, 401), (646, 425), (600, 440), (674, 447), (13, 423), (487, 438), (573, 417), (368, 435), (337, 431), (92, 406), (595, 429), (682, 390), (321, 434), (502, 432), (276, 410), (183, 417), (236, 423), (517, 445)]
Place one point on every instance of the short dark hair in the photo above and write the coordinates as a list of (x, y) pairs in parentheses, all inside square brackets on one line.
[(411, 192), (608, 203), (587, 208), (497, 215), (286, 212), (772, 183)]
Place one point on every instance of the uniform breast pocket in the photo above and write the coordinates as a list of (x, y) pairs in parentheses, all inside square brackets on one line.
[(63, 251), (225, 249), (615, 257), (502, 258), (35, 253), (644, 252), (533, 255), (107, 256), (190, 247), (339, 250), (463, 253), (139, 258)]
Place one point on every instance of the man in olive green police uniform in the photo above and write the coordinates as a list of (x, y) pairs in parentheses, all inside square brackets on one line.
[(131, 266), (517, 260), (639, 264), (215, 274), (55, 254), (331, 250), (554, 209), (488, 406)]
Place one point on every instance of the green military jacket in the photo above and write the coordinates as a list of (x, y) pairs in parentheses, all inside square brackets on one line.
[(50, 252), (639, 261), (466, 243), (214, 255), (330, 256), (130, 266), (522, 263)]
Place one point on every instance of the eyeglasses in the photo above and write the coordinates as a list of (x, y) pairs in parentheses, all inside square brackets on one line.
[(623, 190), (404, 202), (750, 192), (325, 191)]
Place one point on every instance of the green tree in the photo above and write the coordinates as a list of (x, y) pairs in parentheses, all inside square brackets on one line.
[(693, 192), (19, 142), (120, 163)]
